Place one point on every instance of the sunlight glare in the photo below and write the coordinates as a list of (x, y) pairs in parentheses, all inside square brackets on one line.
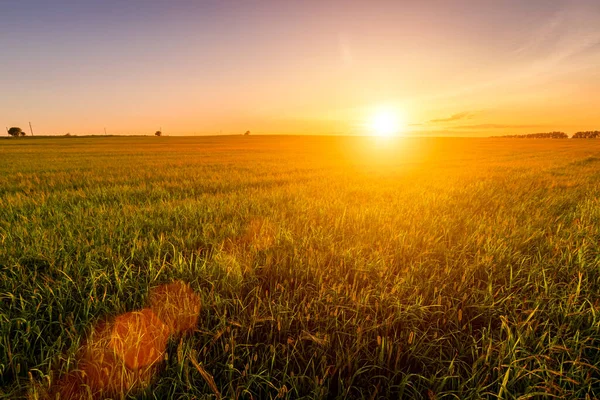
[(386, 122)]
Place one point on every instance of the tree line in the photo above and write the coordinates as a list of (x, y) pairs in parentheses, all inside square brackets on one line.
[(554, 135), (16, 132), (587, 135)]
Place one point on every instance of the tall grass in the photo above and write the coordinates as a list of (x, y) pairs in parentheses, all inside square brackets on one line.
[(327, 267)]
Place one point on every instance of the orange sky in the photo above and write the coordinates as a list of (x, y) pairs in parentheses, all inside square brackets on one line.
[(457, 67)]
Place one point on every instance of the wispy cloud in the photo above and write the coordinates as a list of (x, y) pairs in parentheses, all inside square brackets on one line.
[(566, 42), (499, 126), (454, 117), (571, 32)]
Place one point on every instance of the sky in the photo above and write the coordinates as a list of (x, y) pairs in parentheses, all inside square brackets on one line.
[(445, 67)]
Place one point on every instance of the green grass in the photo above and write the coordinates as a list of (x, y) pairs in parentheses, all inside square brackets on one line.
[(327, 267)]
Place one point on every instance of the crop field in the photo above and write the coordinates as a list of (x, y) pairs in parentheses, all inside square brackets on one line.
[(326, 267)]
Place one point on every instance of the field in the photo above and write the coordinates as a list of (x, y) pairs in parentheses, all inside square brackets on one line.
[(327, 267)]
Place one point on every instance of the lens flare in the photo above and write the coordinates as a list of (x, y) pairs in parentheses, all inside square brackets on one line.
[(177, 306), (122, 355), (139, 338)]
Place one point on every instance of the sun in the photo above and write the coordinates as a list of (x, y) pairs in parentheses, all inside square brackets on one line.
[(386, 122)]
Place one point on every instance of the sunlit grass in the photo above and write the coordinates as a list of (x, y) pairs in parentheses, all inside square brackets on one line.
[(426, 268)]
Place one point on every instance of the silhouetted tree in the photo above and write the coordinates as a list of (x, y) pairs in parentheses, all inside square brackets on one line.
[(587, 135), (15, 131), (158, 133), (247, 133), (544, 135)]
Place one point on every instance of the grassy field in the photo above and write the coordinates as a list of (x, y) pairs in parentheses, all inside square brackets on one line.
[(327, 267)]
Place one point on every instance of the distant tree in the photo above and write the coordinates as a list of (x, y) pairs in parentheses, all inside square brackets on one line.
[(158, 133), (247, 133), (544, 135), (587, 135), (15, 131)]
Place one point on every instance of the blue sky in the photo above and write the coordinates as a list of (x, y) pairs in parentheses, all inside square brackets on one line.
[(203, 67)]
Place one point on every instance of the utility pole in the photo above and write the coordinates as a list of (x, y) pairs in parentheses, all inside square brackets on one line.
[(104, 131), (30, 129)]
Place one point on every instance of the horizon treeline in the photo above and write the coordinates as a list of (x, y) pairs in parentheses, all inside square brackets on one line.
[(555, 135), (587, 135), (18, 132), (543, 135)]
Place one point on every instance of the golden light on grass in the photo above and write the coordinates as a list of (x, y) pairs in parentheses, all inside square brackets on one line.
[(139, 338), (260, 233), (122, 355), (102, 372), (176, 305)]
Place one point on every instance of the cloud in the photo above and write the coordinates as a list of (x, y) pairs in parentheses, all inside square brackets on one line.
[(455, 117), (566, 42), (498, 126), (571, 31)]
